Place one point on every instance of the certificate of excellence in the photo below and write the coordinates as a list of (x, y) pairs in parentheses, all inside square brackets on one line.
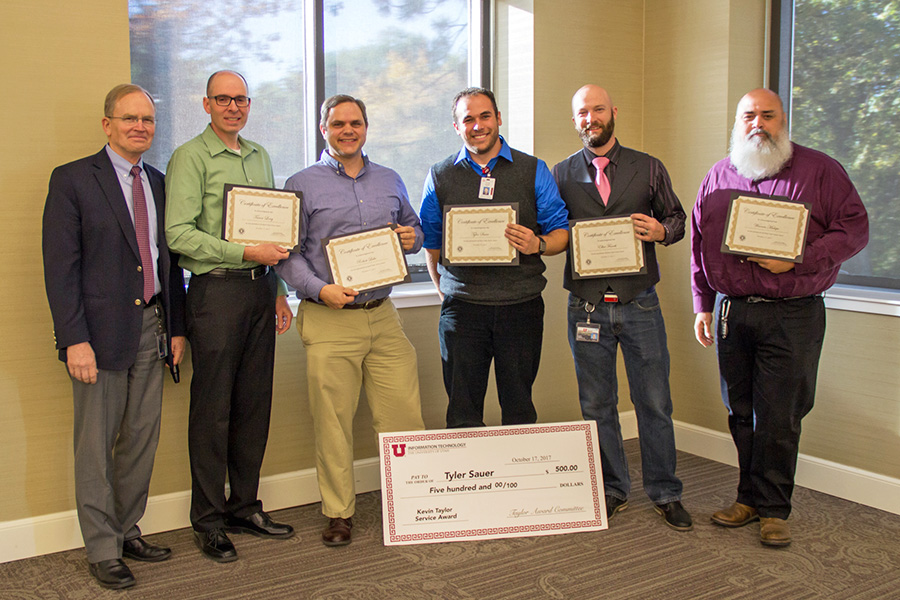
[(254, 215), (474, 234), (367, 260), (605, 246), (491, 482), (766, 226)]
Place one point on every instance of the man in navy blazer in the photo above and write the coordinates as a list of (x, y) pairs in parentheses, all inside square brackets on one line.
[(604, 179), (117, 300)]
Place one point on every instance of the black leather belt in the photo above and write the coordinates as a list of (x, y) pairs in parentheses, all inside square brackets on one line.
[(364, 305), (152, 302), (759, 299), (254, 273)]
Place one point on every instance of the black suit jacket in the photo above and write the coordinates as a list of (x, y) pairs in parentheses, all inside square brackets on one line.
[(635, 189), (91, 262)]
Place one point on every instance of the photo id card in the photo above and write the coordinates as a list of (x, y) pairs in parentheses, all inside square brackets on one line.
[(587, 332), (486, 190)]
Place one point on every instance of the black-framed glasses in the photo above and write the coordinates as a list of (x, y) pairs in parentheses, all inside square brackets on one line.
[(131, 120), (223, 100)]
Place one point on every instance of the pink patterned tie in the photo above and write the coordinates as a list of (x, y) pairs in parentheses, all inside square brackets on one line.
[(141, 228), (601, 181)]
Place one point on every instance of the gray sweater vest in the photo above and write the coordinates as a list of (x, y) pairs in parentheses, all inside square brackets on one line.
[(457, 184)]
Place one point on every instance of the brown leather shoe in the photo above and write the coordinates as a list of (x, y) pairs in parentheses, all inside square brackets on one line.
[(774, 532), (736, 515), (338, 532)]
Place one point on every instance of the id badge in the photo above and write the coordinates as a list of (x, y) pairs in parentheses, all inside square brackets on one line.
[(162, 348), (486, 190), (587, 332)]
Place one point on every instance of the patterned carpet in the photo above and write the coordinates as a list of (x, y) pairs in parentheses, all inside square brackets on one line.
[(840, 550)]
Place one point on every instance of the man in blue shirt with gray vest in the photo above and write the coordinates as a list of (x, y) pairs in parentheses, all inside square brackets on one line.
[(492, 313)]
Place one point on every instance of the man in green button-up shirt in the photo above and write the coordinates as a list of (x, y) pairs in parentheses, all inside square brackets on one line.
[(231, 300)]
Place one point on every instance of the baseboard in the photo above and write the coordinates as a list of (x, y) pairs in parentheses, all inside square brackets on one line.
[(57, 532), (849, 483)]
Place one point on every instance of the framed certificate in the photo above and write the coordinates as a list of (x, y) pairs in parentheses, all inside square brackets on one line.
[(474, 234), (254, 215), (766, 226), (367, 260), (605, 246), (491, 482)]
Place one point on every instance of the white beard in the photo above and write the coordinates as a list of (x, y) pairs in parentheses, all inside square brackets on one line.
[(759, 157)]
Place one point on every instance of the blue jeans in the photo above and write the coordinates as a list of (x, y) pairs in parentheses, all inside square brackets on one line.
[(638, 326), (474, 335)]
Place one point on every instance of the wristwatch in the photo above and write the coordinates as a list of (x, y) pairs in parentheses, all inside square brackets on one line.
[(542, 246)]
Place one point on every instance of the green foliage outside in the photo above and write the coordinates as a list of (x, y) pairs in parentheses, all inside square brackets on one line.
[(846, 103)]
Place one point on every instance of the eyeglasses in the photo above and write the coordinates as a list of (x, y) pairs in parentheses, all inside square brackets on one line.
[(132, 120), (223, 100)]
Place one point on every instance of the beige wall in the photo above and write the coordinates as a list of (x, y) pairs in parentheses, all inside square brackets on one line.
[(675, 69)]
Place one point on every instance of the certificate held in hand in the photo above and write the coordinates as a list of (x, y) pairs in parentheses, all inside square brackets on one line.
[(605, 247), (766, 227), (367, 260), (475, 234), (253, 215)]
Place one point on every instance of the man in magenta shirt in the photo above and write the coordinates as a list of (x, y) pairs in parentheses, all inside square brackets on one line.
[(770, 312)]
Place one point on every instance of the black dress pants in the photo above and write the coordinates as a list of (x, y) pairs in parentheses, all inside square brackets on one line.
[(231, 329), (768, 360)]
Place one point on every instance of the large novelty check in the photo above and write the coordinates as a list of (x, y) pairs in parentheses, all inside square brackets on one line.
[(491, 482)]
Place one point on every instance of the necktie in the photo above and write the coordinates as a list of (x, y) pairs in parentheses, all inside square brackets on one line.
[(600, 180), (142, 229)]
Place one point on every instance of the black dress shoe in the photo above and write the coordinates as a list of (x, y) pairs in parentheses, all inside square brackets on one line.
[(112, 574), (338, 532), (260, 525), (675, 515), (215, 545), (141, 549), (614, 505)]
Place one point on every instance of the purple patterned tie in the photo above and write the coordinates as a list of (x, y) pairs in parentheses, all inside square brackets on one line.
[(141, 228), (601, 181)]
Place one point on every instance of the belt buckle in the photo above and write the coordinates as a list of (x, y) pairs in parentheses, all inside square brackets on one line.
[(610, 297), (263, 270)]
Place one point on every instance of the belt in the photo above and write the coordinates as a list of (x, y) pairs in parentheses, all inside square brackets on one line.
[(254, 273), (364, 305), (759, 299), (152, 301)]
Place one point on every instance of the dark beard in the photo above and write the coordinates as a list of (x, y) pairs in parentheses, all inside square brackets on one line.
[(597, 140)]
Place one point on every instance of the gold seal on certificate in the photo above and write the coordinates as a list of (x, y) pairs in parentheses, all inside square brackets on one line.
[(254, 215), (604, 247), (475, 234), (491, 482), (367, 260), (766, 226)]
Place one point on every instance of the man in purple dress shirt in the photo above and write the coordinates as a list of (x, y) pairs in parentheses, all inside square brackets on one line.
[(352, 338), (770, 313)]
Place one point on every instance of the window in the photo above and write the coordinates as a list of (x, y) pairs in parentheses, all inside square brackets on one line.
[(404, 58), (837, 66)]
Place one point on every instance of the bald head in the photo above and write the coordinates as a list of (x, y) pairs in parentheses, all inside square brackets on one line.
[(212, 79), (594, 117)]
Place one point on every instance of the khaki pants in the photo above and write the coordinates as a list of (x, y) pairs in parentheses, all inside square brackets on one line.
[(346, 349)]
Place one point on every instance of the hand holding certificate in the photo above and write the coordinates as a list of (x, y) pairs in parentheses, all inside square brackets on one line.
[(476, 235), (261, 216), (604, 247), (766, 227), (367, 260), (491, 482)]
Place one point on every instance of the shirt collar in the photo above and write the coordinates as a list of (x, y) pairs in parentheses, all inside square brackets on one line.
[(120, 164), (505, 152), (335, 164), (612, 155), (215, 145)]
